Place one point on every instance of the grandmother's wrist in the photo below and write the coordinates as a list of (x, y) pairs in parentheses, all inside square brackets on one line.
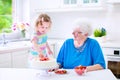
[(60, 66), (89, 68)]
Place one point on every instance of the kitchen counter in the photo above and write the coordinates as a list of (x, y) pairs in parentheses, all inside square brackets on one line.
[(19, 45), (107, 43), (32, 74), (15, 46), (110, 44)]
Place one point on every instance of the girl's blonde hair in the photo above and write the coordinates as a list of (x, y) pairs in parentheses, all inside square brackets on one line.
[(42, 18)]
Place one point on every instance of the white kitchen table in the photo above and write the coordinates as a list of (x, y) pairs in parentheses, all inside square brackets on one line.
[(32, 74)]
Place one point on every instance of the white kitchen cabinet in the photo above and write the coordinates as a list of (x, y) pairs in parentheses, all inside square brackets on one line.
[(14, 59), (5, 60), (66, 5), (20, 59), (113, 1), (81, 2), (15, 54), (82, 5)]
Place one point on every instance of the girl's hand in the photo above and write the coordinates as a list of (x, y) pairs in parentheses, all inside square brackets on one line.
[(41, 55)]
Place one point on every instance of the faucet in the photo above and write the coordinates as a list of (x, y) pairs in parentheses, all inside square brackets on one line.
[(4, 39)]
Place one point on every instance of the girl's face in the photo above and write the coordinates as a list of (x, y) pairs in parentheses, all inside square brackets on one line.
[(44, 27)]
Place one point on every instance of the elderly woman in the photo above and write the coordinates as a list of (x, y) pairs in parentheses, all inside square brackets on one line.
[(81, 50)]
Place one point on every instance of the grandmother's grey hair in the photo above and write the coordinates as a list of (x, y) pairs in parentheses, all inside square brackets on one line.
[(84, 26)]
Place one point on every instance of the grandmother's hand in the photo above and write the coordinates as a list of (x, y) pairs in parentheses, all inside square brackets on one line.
[(51, 70), (80, 69)]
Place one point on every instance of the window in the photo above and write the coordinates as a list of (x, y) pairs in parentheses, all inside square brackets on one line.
[(5, 15), (13, 12)]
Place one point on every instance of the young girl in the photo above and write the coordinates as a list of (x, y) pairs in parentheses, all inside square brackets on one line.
[(40, 47)]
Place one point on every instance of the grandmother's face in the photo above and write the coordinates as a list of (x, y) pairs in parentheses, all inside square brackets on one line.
[(78, 34)]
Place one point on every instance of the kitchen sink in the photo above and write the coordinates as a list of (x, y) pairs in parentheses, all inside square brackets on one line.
[(14, 45)]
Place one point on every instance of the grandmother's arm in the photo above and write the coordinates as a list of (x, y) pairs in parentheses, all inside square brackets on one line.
[(94, 67)]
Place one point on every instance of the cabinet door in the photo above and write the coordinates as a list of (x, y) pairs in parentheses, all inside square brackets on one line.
[(20, 59), (5, 60)]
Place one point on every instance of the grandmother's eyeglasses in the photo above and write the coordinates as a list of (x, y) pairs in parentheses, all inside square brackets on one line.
[(76, 32)]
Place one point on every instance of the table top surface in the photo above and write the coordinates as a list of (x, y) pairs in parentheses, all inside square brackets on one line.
[(33, 74)]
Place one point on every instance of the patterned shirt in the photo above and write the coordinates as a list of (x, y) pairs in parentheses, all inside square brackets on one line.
[(41, 41)]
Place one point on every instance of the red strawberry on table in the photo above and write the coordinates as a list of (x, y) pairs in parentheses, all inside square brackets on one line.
[(59, 71)]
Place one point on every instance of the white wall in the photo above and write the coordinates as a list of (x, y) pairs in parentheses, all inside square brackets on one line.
[(113, 22), (21, 11), (62, 21)]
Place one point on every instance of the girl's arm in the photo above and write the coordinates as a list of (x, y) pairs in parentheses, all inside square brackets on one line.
[(48, 48)]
